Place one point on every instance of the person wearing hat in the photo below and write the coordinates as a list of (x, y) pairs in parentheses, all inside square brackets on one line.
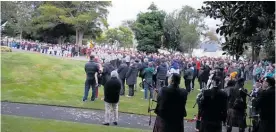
[(266, 106)]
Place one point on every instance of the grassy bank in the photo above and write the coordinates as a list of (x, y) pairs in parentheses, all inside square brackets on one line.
[(36, 78)]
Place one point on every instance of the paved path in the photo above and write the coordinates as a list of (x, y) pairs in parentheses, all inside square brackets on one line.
[(80, 115)]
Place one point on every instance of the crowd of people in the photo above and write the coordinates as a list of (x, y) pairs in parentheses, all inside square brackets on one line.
[(222, 99), (223, 96)]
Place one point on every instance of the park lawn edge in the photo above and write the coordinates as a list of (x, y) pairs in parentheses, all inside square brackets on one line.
[(6, 119), (68, 106)]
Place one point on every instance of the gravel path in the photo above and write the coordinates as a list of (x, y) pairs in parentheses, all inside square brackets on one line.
[(80, 115)]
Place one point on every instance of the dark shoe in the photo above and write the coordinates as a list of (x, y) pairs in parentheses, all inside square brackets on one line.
[(115, 123), (83, 100), (106, 124), (92, 100)]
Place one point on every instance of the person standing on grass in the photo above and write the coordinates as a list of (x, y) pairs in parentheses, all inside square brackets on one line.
[(122, 70), (131, 78), (170, 109), (111, 98), (91, 68), (148, 74)]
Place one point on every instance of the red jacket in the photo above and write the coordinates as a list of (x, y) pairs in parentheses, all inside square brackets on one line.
[(197, 65)]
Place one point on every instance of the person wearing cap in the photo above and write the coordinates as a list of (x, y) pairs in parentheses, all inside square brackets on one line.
[(111, 98), (266, 106)]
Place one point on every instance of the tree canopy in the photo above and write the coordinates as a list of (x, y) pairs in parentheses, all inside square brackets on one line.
[(243, 22), (148, 29)]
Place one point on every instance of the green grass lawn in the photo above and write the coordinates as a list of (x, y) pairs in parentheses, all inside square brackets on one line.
[(27, 124), (37, 78)]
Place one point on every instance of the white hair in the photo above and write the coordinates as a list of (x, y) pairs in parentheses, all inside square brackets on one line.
[(115, 74), (146, 60)]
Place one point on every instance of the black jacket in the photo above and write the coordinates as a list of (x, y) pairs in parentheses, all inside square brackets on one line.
[(171, 104), (214, 107), (122, 70), (162, 72), (112, 90), (107, 69), (91, 68), (266, 106), (131, 75)]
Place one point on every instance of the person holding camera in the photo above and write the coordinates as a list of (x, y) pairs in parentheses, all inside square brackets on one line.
[(170, 109), (266, 106)]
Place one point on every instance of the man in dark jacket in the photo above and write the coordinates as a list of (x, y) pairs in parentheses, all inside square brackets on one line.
[(73, 51), (122, 70), (213, 109), (266, 106), (161, 75), (188, 76), (107, 69), (170, 107), (131, 78), (142, 67), (111, 97), (90, 68), (236, 106)]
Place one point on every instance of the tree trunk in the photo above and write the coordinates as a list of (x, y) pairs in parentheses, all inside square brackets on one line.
[(257, 53), (253, 52), (59, 40), (237, 57), (62, 40), (80, 37), (21, 32), (77, 36)]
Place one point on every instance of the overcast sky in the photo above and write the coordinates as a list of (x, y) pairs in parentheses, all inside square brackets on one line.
[(128, 9)]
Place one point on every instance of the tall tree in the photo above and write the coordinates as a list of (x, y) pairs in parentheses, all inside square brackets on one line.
[(242, 22), (182, 29), (148, 29), (19, 15), (83, 15), (211, 35), (122, 35)]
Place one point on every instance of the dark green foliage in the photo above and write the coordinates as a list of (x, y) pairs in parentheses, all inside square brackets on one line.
[(243, 21), (148, 29)]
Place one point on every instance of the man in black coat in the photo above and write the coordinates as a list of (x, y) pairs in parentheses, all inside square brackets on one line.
[(107, 69), (266, 106), (122, 70), (161, 74), (131, 78), (170, 107), (111, 97), (236, 106), (142, 67), (188, 76), (213, 109), (91, 68)]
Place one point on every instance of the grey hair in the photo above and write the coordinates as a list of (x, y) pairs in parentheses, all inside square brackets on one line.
[(115, 74), (146, 60)]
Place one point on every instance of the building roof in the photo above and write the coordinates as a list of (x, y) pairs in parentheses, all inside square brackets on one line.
[(210, 46)]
